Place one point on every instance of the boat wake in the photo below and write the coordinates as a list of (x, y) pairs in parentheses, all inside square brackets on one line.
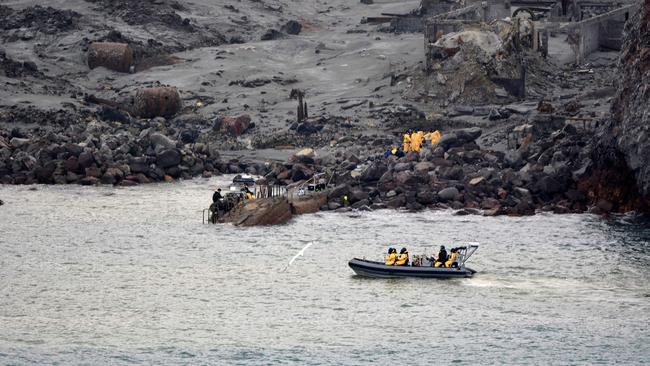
[(301, 252)]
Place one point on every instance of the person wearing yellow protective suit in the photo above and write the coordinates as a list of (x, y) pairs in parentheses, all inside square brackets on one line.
[(248, 194), (416, 142), (435, 137), (403, 259), (452, 260), (391, 257), (407, 142)]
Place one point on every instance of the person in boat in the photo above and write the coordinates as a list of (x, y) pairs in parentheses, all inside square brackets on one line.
[(403, 258), (392, 257), (452, 261), (442, 257)]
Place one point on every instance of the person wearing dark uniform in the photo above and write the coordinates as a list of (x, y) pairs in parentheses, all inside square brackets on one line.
[(217, 195), (442, 257)]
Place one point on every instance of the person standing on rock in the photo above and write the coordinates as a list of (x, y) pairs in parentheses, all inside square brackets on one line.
[(435, 137), (407, 142)]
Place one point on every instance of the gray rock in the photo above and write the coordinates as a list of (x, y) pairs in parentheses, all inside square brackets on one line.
[(159, 140), (168, 158), (469, 134), (86, 159), (400, 167), (292, 27), (373, 172), (426, 197), (338, 191), (424, 166), (17, 142), (448, 194), (358, 195), (333, 205), (448, 140), (513, 158)]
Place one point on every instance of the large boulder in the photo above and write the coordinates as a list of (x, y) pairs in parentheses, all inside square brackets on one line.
[(400, 167), (168, 158), (469, 134), (263, 211), (339, 191), (374, 172), (448, 194), (86, 159), (160, 141), (308, 204), (448, 140)]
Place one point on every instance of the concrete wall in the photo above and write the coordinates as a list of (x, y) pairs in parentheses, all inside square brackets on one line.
[(407, 24), (605, 30), (496, 9)]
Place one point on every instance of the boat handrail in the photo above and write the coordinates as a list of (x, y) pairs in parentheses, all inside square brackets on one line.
[(469, 251)]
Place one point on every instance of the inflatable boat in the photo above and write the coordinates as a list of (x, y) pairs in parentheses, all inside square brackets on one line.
[(368, 268)]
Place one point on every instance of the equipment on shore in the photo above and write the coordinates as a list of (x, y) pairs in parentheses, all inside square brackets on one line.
[(423, 267), (113, 56)]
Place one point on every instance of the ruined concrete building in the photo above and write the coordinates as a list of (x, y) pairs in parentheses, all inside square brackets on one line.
[(587, 25)]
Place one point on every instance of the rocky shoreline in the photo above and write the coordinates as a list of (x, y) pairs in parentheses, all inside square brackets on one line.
[(507, 157)]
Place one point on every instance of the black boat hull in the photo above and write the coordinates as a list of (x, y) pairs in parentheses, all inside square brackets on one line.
[(368, 268)]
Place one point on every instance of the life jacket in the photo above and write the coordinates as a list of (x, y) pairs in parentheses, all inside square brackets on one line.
[(435, 136), (390, 259), (415, 142), (407, 143), (403, 259), (451, 260)]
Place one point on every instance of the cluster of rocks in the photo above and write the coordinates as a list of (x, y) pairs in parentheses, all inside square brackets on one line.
[(146, 12), (90, 151), (548, 172), (292, 27), (47, 20), (17, 69)]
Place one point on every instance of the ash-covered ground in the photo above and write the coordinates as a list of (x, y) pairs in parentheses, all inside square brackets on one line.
[(237, 65)]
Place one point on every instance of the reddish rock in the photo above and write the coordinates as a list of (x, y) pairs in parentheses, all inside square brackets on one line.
[(236, 125)]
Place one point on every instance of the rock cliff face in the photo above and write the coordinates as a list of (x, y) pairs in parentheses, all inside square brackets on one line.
[(631, 107)]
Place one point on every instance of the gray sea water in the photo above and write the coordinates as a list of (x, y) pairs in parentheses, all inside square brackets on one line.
[(111, 276)]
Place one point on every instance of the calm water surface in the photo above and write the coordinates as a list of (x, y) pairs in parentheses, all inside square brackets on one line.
[(108, 276)]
